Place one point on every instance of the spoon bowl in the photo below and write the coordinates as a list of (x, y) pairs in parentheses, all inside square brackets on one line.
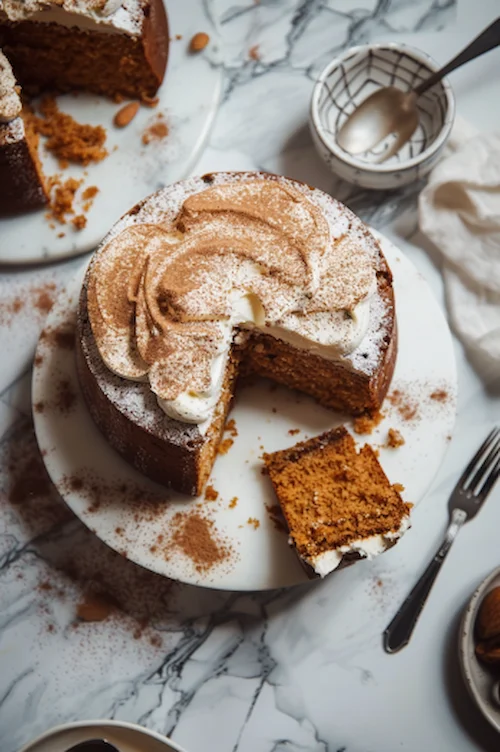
[(344, 85)]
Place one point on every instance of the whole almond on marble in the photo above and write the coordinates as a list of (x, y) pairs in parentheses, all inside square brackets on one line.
[(199, 42), (488, 620), (127, 113)]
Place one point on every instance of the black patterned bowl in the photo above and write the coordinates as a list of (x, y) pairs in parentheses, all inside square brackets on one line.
[(347, 81)]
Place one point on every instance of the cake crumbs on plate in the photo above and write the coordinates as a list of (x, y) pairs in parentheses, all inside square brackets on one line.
[(79, 222), (225, 446), (68, 140), (157, 130), (365, 424), (233, 502), (398, 487), (394, 438), (211, 494), (254, 522), (230, 428), (293, 431)]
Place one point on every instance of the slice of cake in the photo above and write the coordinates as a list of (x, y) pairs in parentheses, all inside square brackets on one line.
[(216, 277), (21, 181), (337, 502)]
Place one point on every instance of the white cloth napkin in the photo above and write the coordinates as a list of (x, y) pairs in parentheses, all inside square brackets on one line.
[(459, 211)]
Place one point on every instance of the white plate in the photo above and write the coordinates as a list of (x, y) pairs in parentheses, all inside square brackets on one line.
[(128, 737), (188, 97), (478, 678), (261, 558)]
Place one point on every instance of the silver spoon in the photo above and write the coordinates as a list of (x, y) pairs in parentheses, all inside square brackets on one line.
[(93, 745), (390, 110)]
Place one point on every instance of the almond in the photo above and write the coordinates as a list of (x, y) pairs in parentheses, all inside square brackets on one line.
[(199, 42), (488, 620), (488, 653), (124, 116)]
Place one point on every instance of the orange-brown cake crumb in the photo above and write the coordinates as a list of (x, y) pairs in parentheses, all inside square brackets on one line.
[(366, 423), (394, 438), (79, 222), (156, 131), (230, 428), (293, 431), (254, 522), (332, 495), (62, 197), (233, 502), (225, 446), (68, 140), (211, 494)]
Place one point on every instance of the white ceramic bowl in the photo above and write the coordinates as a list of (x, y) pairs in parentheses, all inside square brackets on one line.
[(478, 678), (347, 81), (128, 737)]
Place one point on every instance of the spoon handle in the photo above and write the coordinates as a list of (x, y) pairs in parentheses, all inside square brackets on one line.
[(486, 41)]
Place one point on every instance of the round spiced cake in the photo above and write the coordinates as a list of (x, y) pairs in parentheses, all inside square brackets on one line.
[(220, 276)]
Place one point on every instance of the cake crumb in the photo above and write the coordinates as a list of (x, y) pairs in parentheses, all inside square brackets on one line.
[(398, 487), (211, 494), (365, 424), (253, 52), (225, 446), (254, 522), (79, 222), (230, 428), (394, 438), (233, 502), (62, 197), (293, 431), (68, 140), (155, 131)]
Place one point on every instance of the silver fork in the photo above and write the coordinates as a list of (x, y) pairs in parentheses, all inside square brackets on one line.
[(466, 499)]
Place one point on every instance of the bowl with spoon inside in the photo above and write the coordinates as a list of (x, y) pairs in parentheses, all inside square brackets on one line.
[(346, 82)]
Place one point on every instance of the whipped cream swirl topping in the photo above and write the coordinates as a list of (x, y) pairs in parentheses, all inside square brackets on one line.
[(10, 102), (19, 10), (165, 301)]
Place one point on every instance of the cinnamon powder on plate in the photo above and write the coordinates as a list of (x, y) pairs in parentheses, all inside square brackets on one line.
[(196, 537)]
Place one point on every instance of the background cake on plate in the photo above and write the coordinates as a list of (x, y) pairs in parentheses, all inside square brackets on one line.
[(229, 274), (117, 48)]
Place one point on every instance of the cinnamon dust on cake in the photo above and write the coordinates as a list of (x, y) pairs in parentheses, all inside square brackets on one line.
[(197, 538)]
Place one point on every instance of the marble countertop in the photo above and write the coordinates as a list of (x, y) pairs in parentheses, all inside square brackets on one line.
[(292, 670)]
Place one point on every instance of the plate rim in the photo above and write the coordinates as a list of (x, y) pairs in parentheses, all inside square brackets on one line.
[(71, 725)]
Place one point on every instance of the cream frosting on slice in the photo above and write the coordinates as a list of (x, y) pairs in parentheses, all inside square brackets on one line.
[(165, 301), (110, 16), (10, 102)]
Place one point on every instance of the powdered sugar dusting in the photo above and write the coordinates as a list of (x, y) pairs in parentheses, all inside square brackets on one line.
[(124, 15), (306, 269)]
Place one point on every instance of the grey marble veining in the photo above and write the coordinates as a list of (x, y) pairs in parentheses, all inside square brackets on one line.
[(287, 671)]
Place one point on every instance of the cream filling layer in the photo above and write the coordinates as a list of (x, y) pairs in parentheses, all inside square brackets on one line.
[(367, 548), (326, 334), (83, 18)]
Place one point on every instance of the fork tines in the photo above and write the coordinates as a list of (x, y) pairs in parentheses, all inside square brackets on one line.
[(484, 468)]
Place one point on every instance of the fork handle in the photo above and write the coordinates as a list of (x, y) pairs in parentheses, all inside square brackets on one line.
[(398, 633)]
